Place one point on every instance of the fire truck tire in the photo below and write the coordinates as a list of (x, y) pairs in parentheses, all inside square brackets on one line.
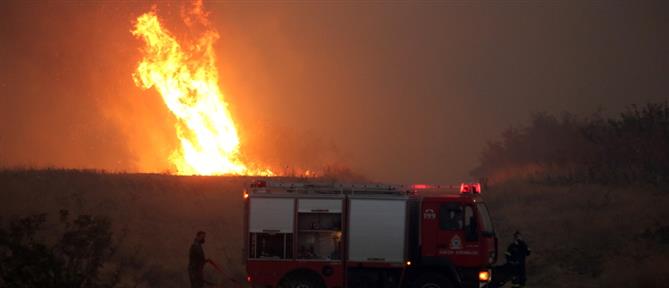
[(302, 280), (432, 280)]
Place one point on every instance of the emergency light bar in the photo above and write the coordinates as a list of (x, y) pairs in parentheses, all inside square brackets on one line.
[(259, 184), (474, 188), (433, 187), (464, 188), (420, 186)]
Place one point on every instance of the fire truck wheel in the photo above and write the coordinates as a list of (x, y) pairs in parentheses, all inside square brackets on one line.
[(302, 280), (432, 280)]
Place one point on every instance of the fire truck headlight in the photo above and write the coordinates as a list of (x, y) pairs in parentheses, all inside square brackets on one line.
[(484, 276)]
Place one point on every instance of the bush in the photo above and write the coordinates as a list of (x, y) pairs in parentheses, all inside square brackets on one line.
[(77, 255), (630, 148)]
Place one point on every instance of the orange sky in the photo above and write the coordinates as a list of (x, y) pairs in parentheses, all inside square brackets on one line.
[(397, 92)]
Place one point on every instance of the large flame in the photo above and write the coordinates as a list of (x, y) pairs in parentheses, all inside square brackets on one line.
[(185, 75)]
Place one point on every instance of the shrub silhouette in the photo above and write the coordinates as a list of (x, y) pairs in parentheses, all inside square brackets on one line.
[(630, 148), (75, 257)]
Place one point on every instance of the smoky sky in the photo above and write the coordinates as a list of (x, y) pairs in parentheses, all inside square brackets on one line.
[(400, 92)]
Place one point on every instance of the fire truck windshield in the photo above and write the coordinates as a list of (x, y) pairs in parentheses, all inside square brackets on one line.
[(485, 219)]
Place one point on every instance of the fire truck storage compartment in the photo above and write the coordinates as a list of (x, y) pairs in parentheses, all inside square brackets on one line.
[(319, 223), (377, 230), (271, 228)]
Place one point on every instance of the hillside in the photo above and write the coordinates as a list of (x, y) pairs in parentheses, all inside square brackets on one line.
[(586, 235), (590, 194), (581, 235), (159, 214)]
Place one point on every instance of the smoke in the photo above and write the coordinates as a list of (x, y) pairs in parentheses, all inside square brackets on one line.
[(401, 92), (69, 99), (58, 71)]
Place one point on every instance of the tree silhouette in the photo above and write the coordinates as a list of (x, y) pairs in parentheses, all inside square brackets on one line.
[(630, 148)]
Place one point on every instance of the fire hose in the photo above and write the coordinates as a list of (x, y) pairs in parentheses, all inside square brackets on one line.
[(219, 270)]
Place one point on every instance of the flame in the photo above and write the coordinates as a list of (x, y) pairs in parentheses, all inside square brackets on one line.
[(186, 77)]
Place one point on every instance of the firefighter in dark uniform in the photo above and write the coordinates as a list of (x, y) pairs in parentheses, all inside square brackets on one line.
[(515, 257), (196, 261)]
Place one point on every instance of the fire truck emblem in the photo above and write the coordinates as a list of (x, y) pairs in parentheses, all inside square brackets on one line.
[(429, 214), (456, 243)]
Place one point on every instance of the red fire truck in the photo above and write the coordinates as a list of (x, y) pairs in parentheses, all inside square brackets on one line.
[(317, 235)]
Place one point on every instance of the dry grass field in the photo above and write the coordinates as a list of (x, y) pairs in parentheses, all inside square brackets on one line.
[(582, 236), (159, 214), (587, 235)]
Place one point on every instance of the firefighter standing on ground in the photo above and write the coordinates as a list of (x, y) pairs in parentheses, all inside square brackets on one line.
[(515, 256), (196, 261)]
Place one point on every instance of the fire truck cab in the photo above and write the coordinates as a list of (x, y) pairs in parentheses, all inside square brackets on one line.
[(367, 235)]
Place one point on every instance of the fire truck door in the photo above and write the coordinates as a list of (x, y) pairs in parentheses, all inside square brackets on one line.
[(457, 236)]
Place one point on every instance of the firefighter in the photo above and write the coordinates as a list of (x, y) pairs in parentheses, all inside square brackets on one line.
[(196, 261), (515, 257)]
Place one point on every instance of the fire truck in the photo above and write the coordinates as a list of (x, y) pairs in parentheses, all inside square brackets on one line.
[(317, 235)]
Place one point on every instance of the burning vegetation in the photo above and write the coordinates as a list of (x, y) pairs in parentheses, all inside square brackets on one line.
[(184, 72)]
